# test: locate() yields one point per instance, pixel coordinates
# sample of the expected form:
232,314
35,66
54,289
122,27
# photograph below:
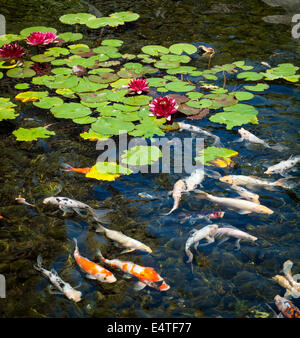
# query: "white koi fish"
198,130
146,275
247,136
254,181
208,233
248,195
243,206
69,205
226,232
62,286
283,166
128,242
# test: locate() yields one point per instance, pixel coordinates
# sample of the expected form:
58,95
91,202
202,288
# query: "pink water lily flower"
138,85
39,38
11,51
163,107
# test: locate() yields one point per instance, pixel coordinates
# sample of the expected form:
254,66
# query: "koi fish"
229,231
69,205
248,195
62,286
188,184
208,215
243,206
286,307
68,167
22,200
247,136
128,242
208,233
253,181
93,270
146,275
283,166
198,130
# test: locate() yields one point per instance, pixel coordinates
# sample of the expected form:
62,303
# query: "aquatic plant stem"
100,37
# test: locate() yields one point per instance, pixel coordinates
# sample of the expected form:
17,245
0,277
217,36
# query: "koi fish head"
146,248
243,132
213,229
264,210
107,277
162,286
73,295
270,171
279,301
50,200
226,179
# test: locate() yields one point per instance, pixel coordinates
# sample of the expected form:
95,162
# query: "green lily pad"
180,48
176,58
260,87
182,70
104,78
148,127
70,37
7,113
243,96
179,86
85,85
125,16
85,120
112,42
27,31
57,51
156,82
141,155
48,102
79,48
42,58
20,72
220,100
236,115
155,50
204,103
62,71
250,76
166,64
32,134
104,21
22,86
111,126
112,168
91,135
78,18
30,96
140,100
70,111
211,154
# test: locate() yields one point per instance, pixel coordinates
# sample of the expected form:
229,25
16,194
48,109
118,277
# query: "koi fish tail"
76,245
100,228
201,194
190,255
282,182
67,167
99,253
279,147
101,215
39,261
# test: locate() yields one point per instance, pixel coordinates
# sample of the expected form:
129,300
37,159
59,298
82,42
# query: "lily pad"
27,31
179,86
22,85
180,48
32,134
243,96
250,76
70,111
220,157
78,18
125,16
140,100
260,87
111,126
20,72
30,96
70,37
104,21
155,50
93,136
112,42
42,58
48,102
141,155
94,173
148,127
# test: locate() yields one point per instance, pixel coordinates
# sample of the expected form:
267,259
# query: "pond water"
224,282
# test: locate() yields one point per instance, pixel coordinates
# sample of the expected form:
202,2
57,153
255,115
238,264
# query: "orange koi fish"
93,270
146,275
68,167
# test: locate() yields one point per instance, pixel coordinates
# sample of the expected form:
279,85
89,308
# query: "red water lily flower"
138,85
11,51
163,107
39,38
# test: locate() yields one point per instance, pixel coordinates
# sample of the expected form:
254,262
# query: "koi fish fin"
78,211
237,244
67,167
279,147
244,212
101,215
100,228
212,173
138,286
39,263
99,253
223,240
127,276
53,291
127,250
239,140
282,183
76,244
89,276
201,194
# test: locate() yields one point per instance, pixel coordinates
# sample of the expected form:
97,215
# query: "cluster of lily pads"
96,86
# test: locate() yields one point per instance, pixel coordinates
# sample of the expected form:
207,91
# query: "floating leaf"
125,16
219,157
42,58
155,50
111,126
27,31
112,168
141,155
243,96
70,111
30,96
48,102
78,18
112,42
85,120
20,72
139,100
104,21
179,86
236,115
57,51
32,134
93,136
70,37
260,87
85,85
22,86
148,127
180,48
94,173
182,70
6,109
250,76
166,64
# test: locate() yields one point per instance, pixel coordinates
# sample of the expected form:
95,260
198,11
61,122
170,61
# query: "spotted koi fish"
146,275
286,307
93,270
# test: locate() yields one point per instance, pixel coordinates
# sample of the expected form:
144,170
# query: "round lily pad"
155,50
32,134
70,111
104,21
140,100
243,96
180,48
112,43
111,126
125,16
22,86
250,76
78,18
179,86
48,102
70,37
42,58
20,72
27,31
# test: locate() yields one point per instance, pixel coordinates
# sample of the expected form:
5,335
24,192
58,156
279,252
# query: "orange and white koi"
130,243
286,307
93,270
61,285
146,275
68,167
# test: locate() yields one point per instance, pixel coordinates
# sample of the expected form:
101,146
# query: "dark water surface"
224,282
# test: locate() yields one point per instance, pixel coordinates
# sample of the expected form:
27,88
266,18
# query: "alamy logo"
296,28
2,286
2,25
